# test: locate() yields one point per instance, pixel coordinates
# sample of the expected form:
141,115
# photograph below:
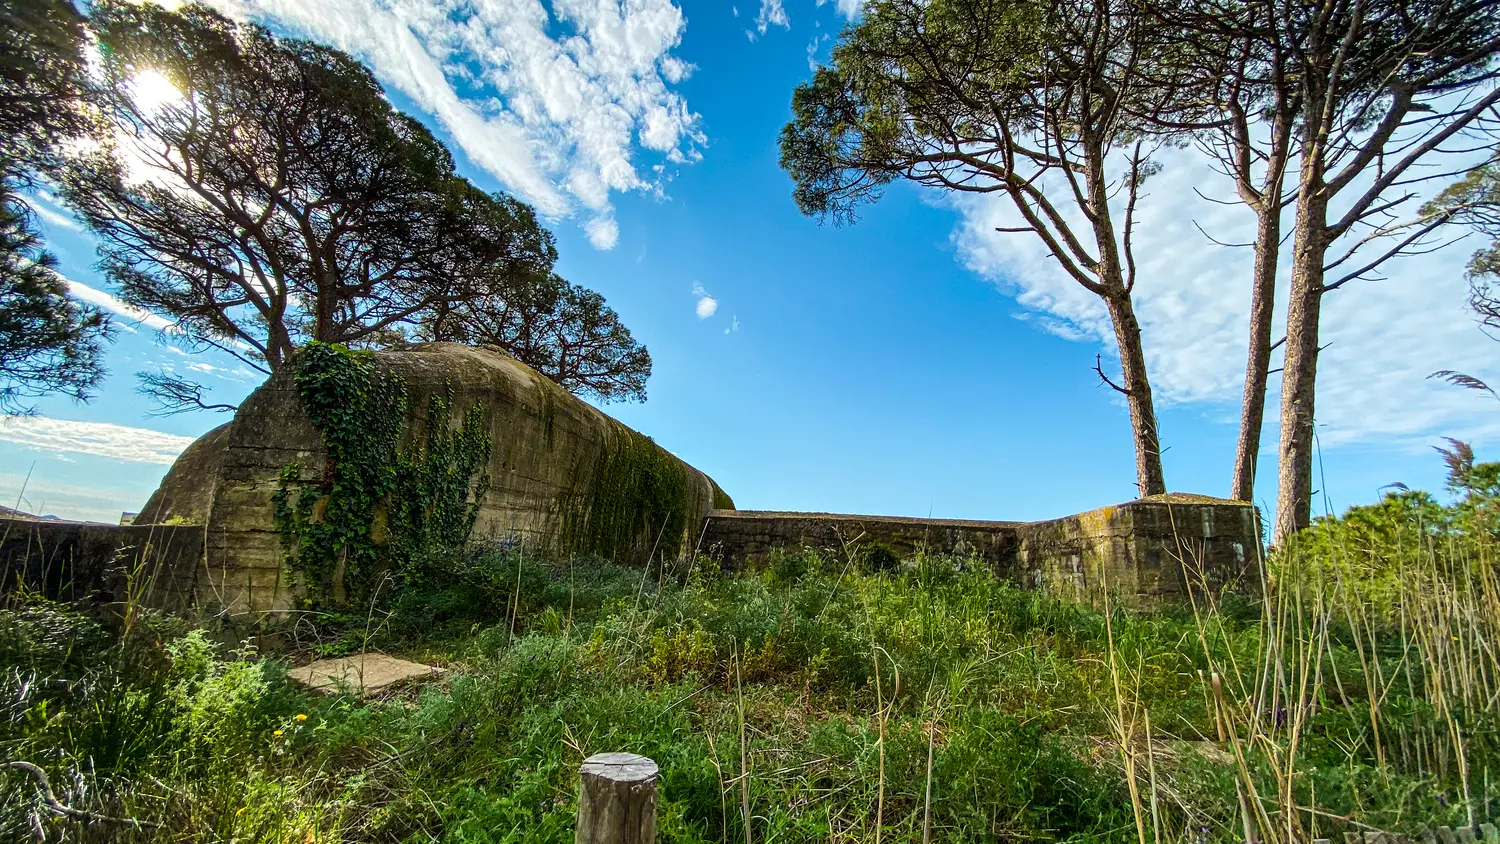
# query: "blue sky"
917,363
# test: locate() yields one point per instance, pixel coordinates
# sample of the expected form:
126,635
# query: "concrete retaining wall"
73,561
1146,551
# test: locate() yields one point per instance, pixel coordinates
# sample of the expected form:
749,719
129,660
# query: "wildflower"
301,717
277,733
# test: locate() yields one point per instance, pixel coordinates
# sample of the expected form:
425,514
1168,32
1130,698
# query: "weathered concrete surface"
72,561
741,537
548,446
362,674
1146,551
187,491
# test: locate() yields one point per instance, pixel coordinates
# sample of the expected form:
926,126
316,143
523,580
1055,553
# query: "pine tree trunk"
1148,471
1115,289
1258,361
1300,371
279,346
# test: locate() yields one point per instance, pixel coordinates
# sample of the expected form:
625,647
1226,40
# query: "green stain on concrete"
722,501
635,506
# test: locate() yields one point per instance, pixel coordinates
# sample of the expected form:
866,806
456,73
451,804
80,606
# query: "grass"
812,700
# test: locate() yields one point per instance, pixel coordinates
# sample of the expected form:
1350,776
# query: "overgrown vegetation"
821,698
378,503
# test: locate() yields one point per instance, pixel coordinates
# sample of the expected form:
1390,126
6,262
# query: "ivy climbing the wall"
378,508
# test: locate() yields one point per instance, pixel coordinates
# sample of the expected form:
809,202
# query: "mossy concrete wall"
548,464
1146,551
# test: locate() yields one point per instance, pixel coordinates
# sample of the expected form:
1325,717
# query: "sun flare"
152,91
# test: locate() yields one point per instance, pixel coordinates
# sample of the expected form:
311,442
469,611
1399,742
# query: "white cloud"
771,14
812,50
1192,299
43,493
707,305
54,218
555,103
94,296
734,325
135,445
54,212
848,8
603,232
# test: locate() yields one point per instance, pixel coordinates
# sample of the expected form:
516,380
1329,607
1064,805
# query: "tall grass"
825,698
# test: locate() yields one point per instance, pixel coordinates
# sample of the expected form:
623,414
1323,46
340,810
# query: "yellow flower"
277,733
240,811
301,717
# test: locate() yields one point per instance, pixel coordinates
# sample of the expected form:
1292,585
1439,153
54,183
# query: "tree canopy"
1474,202
261,192
42,73
1389,94
562,330
48,342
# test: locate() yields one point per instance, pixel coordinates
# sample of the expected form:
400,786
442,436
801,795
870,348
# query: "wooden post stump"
617,800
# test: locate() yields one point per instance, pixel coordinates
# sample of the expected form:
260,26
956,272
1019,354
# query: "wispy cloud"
707,305
135,445
734,325
848,8
812,50
772,13
1192,298
557,101
54,212
43,493
94,296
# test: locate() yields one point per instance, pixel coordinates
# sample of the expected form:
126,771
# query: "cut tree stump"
617,800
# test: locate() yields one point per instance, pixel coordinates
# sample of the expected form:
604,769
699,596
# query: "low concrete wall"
73,561
1146,551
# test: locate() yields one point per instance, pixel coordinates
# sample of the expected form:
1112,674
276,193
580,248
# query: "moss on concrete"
636,503
722,501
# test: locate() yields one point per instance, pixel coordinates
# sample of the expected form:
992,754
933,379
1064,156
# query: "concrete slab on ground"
361,673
